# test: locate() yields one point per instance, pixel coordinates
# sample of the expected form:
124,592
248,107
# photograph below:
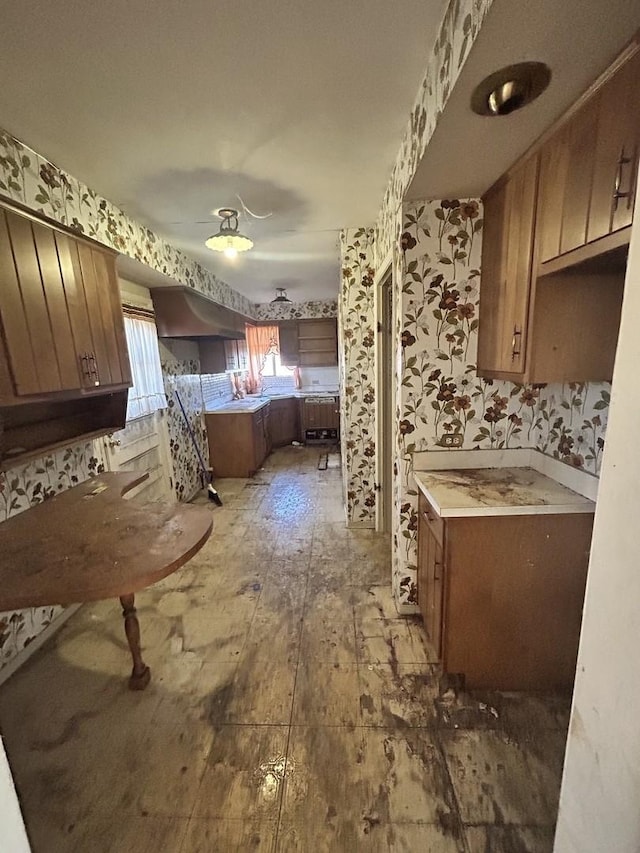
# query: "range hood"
183,313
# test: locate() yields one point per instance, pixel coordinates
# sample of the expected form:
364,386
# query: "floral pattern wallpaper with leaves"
181,372
23,487
440,392
356,330
313,310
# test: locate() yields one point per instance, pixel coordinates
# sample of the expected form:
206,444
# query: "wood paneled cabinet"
309,343
509,214
284,421
556,233
588,170
62,323
239,442
502,596
320,413
289,344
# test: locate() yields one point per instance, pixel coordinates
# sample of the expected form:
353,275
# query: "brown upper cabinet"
62,324
556,234
289,343
588,173
509,212
309,343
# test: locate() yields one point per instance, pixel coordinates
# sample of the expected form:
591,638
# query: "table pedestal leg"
141,673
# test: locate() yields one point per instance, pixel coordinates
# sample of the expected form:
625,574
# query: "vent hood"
183,313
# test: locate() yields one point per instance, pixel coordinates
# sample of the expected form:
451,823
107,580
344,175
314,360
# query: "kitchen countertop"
498,491
252,403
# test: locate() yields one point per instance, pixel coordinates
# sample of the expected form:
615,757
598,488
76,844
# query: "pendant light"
281,296
228,239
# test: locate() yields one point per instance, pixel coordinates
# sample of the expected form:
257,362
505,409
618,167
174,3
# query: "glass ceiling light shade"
281,295
228,239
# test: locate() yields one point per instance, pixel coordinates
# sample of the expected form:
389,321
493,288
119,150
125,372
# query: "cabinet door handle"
85,366
516,342
428,518
617,192
94,369
437,571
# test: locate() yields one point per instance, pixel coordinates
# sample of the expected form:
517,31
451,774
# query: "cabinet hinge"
379,326
377,487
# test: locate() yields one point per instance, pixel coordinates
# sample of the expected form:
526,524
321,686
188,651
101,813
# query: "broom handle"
203,469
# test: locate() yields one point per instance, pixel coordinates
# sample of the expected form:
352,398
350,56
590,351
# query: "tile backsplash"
216,389
319,378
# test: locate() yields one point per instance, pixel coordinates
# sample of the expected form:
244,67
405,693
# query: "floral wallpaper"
458,31
439,390
181,371
296,310
34,181
21,488
356,326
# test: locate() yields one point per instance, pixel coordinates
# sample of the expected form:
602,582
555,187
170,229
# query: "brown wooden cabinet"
309,343
239,442
588,172
213,358
289,346
509,213
431,572
501,596
62,324
555,243
284,421
318,343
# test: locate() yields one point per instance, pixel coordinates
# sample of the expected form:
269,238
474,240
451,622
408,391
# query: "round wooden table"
88,543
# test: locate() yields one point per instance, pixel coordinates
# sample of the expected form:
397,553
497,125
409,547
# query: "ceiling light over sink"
281,295
228,239
510,88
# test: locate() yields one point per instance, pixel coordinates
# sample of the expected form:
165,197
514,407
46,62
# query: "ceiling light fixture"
281,295
510,88
228,239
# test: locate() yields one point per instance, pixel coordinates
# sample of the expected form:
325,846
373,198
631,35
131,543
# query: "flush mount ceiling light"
281,295
510,88
228,239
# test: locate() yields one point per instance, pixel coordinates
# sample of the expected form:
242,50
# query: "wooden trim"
585,253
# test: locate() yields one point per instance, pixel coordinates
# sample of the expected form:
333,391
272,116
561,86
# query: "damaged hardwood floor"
290,709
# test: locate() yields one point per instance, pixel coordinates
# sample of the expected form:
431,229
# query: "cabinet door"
617,149
506,272
289,350
213,359
431,573
231,355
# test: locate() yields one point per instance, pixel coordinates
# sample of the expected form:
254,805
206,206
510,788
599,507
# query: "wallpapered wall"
181,372
458,31
32,180
296,310
356,324
439,390
23,487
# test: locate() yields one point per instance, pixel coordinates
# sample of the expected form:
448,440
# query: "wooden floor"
289,708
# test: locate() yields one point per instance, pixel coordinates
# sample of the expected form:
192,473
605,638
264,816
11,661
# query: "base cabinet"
284,421
239,442
502,596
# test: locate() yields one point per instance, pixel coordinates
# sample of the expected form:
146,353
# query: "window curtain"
261,340
147,394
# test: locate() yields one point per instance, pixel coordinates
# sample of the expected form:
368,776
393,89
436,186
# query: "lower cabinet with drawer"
239,442
502,596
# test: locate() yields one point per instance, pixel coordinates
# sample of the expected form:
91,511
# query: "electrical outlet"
451,439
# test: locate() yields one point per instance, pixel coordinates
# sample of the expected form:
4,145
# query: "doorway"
384,399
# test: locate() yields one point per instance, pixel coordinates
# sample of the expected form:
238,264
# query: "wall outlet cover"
452,439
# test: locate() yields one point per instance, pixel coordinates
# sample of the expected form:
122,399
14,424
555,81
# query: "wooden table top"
88,543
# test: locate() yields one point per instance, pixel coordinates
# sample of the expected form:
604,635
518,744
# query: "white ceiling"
170,109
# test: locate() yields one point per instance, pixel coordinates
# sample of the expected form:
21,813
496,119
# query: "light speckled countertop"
253,404
498,491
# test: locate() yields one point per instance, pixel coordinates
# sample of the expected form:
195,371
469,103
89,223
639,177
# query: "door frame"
384,390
